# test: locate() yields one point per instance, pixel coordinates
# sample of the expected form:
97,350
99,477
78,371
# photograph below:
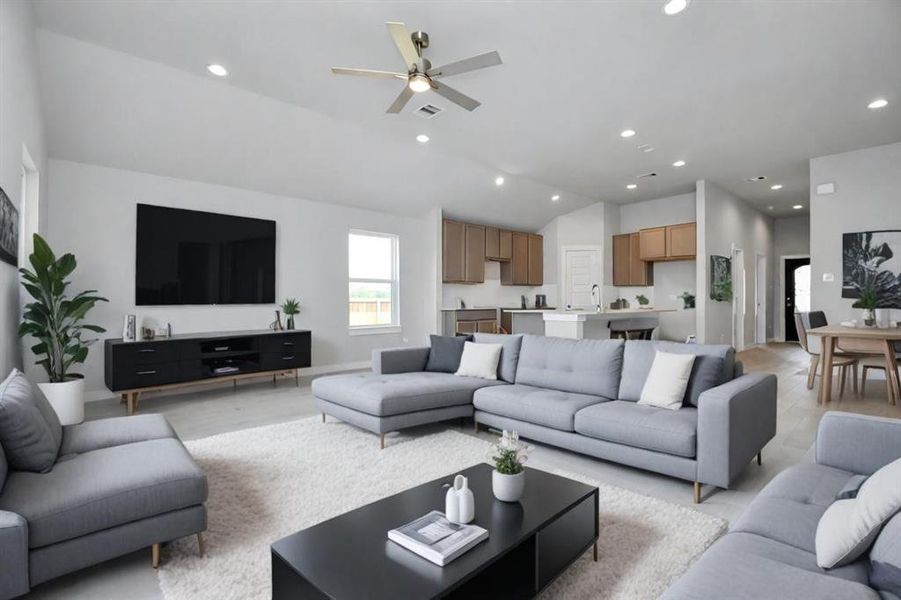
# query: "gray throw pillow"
510,345
445,352
885,558
850,489
30,432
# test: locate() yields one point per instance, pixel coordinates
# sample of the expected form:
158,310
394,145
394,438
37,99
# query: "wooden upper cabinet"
681,241
474,262
453,251
621,262
505,244
492,243
536,259
516,272
640,272
652,243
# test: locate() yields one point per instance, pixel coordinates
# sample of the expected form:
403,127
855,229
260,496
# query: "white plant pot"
508,488
67,399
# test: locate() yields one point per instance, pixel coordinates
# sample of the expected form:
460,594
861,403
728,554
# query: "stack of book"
435,538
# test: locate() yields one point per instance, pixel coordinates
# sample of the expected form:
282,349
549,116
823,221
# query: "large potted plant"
55,320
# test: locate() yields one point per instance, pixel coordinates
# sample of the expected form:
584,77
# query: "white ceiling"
736,89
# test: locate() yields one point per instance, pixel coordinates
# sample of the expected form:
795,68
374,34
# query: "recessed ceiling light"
878,103
679,163
217,70
798,206
631,186
674,7
498,181
555,197
627,133
777,186
422,138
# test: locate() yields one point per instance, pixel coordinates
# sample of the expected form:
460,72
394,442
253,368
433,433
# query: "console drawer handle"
220,348
146,372
288,357
287,343
146,349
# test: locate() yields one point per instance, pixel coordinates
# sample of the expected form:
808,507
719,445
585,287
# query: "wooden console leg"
201,546
123,399
595,551
130,403
697,494
155,556
381,441
760,457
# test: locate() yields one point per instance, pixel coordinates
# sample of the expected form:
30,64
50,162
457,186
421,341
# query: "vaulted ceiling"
735,89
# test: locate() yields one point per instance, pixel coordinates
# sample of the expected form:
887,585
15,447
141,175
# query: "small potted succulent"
642,300
290,307
688,300
508,481
868,301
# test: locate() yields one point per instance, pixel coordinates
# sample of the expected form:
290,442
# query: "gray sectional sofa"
576,394
109,487
770,553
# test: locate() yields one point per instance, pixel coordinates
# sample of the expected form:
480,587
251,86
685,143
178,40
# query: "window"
372,273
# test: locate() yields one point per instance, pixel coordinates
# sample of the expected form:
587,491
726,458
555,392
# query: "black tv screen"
194,257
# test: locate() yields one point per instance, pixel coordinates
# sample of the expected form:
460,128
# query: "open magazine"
435,538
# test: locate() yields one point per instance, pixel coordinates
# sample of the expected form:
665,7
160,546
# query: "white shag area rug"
269,482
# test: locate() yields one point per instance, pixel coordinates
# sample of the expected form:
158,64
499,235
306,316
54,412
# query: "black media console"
132,368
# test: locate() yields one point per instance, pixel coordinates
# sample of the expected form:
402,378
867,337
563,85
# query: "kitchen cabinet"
506,244
681,241
463,252
474,262
652,243
466,247
536,260
492,243
470,320
628,268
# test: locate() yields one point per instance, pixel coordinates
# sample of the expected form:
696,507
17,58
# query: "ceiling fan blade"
368,73
404,44
454,96
489,59
401,100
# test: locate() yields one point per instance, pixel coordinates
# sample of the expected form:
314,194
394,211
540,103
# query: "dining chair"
813,346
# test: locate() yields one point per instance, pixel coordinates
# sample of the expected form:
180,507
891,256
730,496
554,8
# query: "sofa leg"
697,493
475,425
760,458
155,556
595,551
201,546
381,441
323,417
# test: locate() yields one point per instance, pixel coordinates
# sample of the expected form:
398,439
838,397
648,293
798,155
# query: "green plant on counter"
688,300
642,300
291,307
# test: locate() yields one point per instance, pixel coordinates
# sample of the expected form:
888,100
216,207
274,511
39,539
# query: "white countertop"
589,315
470,308
528,311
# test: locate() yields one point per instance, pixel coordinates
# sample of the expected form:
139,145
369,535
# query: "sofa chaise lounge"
114,486
770,552
580,395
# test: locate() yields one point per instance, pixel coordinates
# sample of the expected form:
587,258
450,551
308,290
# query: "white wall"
725,222
92,214
20,124
791,237
866,198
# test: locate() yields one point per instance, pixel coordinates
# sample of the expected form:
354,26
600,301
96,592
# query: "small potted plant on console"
508,481
290,307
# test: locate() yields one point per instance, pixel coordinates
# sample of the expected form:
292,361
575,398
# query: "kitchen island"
592,324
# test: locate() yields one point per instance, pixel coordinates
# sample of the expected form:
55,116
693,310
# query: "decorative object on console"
871,259
508,481
867,300
276,325
129,328
459,503
55,320
720,278
479,360
9,231
290,307
688,300
147,333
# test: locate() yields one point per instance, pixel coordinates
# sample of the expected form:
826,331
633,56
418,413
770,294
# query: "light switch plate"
825,188
828,277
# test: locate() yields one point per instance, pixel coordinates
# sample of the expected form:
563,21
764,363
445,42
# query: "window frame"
394,281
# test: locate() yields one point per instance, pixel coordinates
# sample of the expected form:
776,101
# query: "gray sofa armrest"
857,443
399,360
735,421
13,555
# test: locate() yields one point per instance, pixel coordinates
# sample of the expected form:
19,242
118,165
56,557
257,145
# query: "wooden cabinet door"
640,272
681,241
520,258
492,243
536,260
474,269
505,245
487,326
621,263
467,326
652,243
453,251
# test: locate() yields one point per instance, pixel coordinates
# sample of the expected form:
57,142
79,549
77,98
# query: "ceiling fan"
419,75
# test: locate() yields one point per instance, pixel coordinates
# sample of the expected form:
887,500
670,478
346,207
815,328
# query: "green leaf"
42,257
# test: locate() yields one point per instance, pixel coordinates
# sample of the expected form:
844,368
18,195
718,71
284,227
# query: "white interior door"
581,270
760,303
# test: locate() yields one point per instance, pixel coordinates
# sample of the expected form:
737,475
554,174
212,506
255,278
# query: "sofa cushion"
578,366
550,408
747,567
385,395
105,488
789,508
445,352
885,558
29,428
641,426
510,346
105,433
3,468
714,365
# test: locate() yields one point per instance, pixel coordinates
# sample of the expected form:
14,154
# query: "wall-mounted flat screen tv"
194,257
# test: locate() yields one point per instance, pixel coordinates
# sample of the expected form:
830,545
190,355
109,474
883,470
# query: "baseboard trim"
104,394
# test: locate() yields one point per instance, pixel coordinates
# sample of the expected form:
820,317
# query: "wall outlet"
828,277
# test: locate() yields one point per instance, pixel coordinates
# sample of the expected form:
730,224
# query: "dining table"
858,341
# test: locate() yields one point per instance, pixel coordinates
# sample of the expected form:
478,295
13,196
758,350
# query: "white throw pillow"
666,383
848,527
479,360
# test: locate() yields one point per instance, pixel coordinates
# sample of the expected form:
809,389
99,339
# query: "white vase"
67,399
508,488
459,504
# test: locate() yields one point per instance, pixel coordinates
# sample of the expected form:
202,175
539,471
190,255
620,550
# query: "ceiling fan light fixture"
419,83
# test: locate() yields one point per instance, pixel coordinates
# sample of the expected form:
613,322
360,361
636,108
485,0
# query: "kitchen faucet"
596,289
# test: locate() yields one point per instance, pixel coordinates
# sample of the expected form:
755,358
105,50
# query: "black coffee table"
530,543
